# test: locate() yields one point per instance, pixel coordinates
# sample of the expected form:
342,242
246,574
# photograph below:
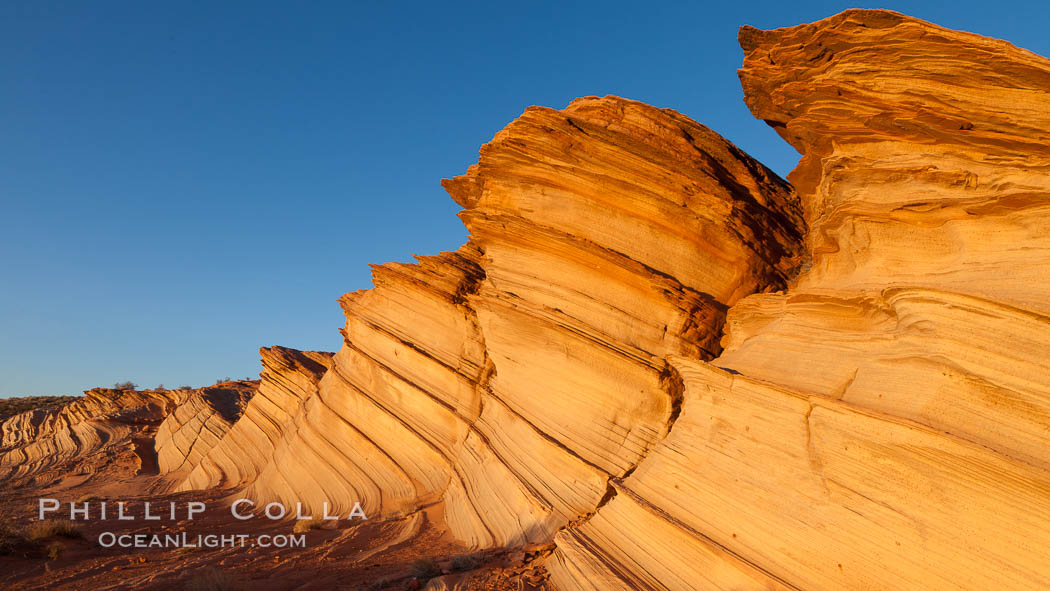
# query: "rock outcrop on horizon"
45,445
660,366
104,429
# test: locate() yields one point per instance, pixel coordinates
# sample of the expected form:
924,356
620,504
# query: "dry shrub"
425,568
20,404
41,530
305,525
10,538
465,562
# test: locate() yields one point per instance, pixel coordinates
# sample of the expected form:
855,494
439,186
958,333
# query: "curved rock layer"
237,449
657,355
79,438
196,425
513,378
379,428
884,423
587,218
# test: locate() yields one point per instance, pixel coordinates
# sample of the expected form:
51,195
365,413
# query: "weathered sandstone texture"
196,425
613,234
75,441
75,438
514,378
884,423
659,366
245,449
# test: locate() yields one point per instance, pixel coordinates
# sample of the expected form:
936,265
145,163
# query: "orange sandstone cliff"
514,378
882,423
667,368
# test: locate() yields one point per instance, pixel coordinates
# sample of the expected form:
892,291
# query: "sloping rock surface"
243,450
657,365
882,424
513,379
197,424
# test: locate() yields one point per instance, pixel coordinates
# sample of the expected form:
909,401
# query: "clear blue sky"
183,182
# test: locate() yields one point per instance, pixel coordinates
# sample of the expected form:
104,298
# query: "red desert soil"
362,555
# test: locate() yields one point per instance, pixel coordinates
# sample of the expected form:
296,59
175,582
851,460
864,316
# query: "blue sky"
184,182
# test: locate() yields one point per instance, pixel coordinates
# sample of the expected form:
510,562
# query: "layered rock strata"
77,438
152,429
883,423
513,378
614,234
239,452
672,369
197,424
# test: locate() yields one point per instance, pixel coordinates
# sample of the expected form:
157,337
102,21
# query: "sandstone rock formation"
242,451
75,441
613,234
883,423
77,437
513,378
196,425
665,367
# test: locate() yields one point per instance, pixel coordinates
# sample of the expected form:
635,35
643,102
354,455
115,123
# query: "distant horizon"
184,185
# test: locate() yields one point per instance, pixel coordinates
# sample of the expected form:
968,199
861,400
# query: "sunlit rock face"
513,378
42,446
884,422
397,397
671,369
107,431
613,233
245,443
196,425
